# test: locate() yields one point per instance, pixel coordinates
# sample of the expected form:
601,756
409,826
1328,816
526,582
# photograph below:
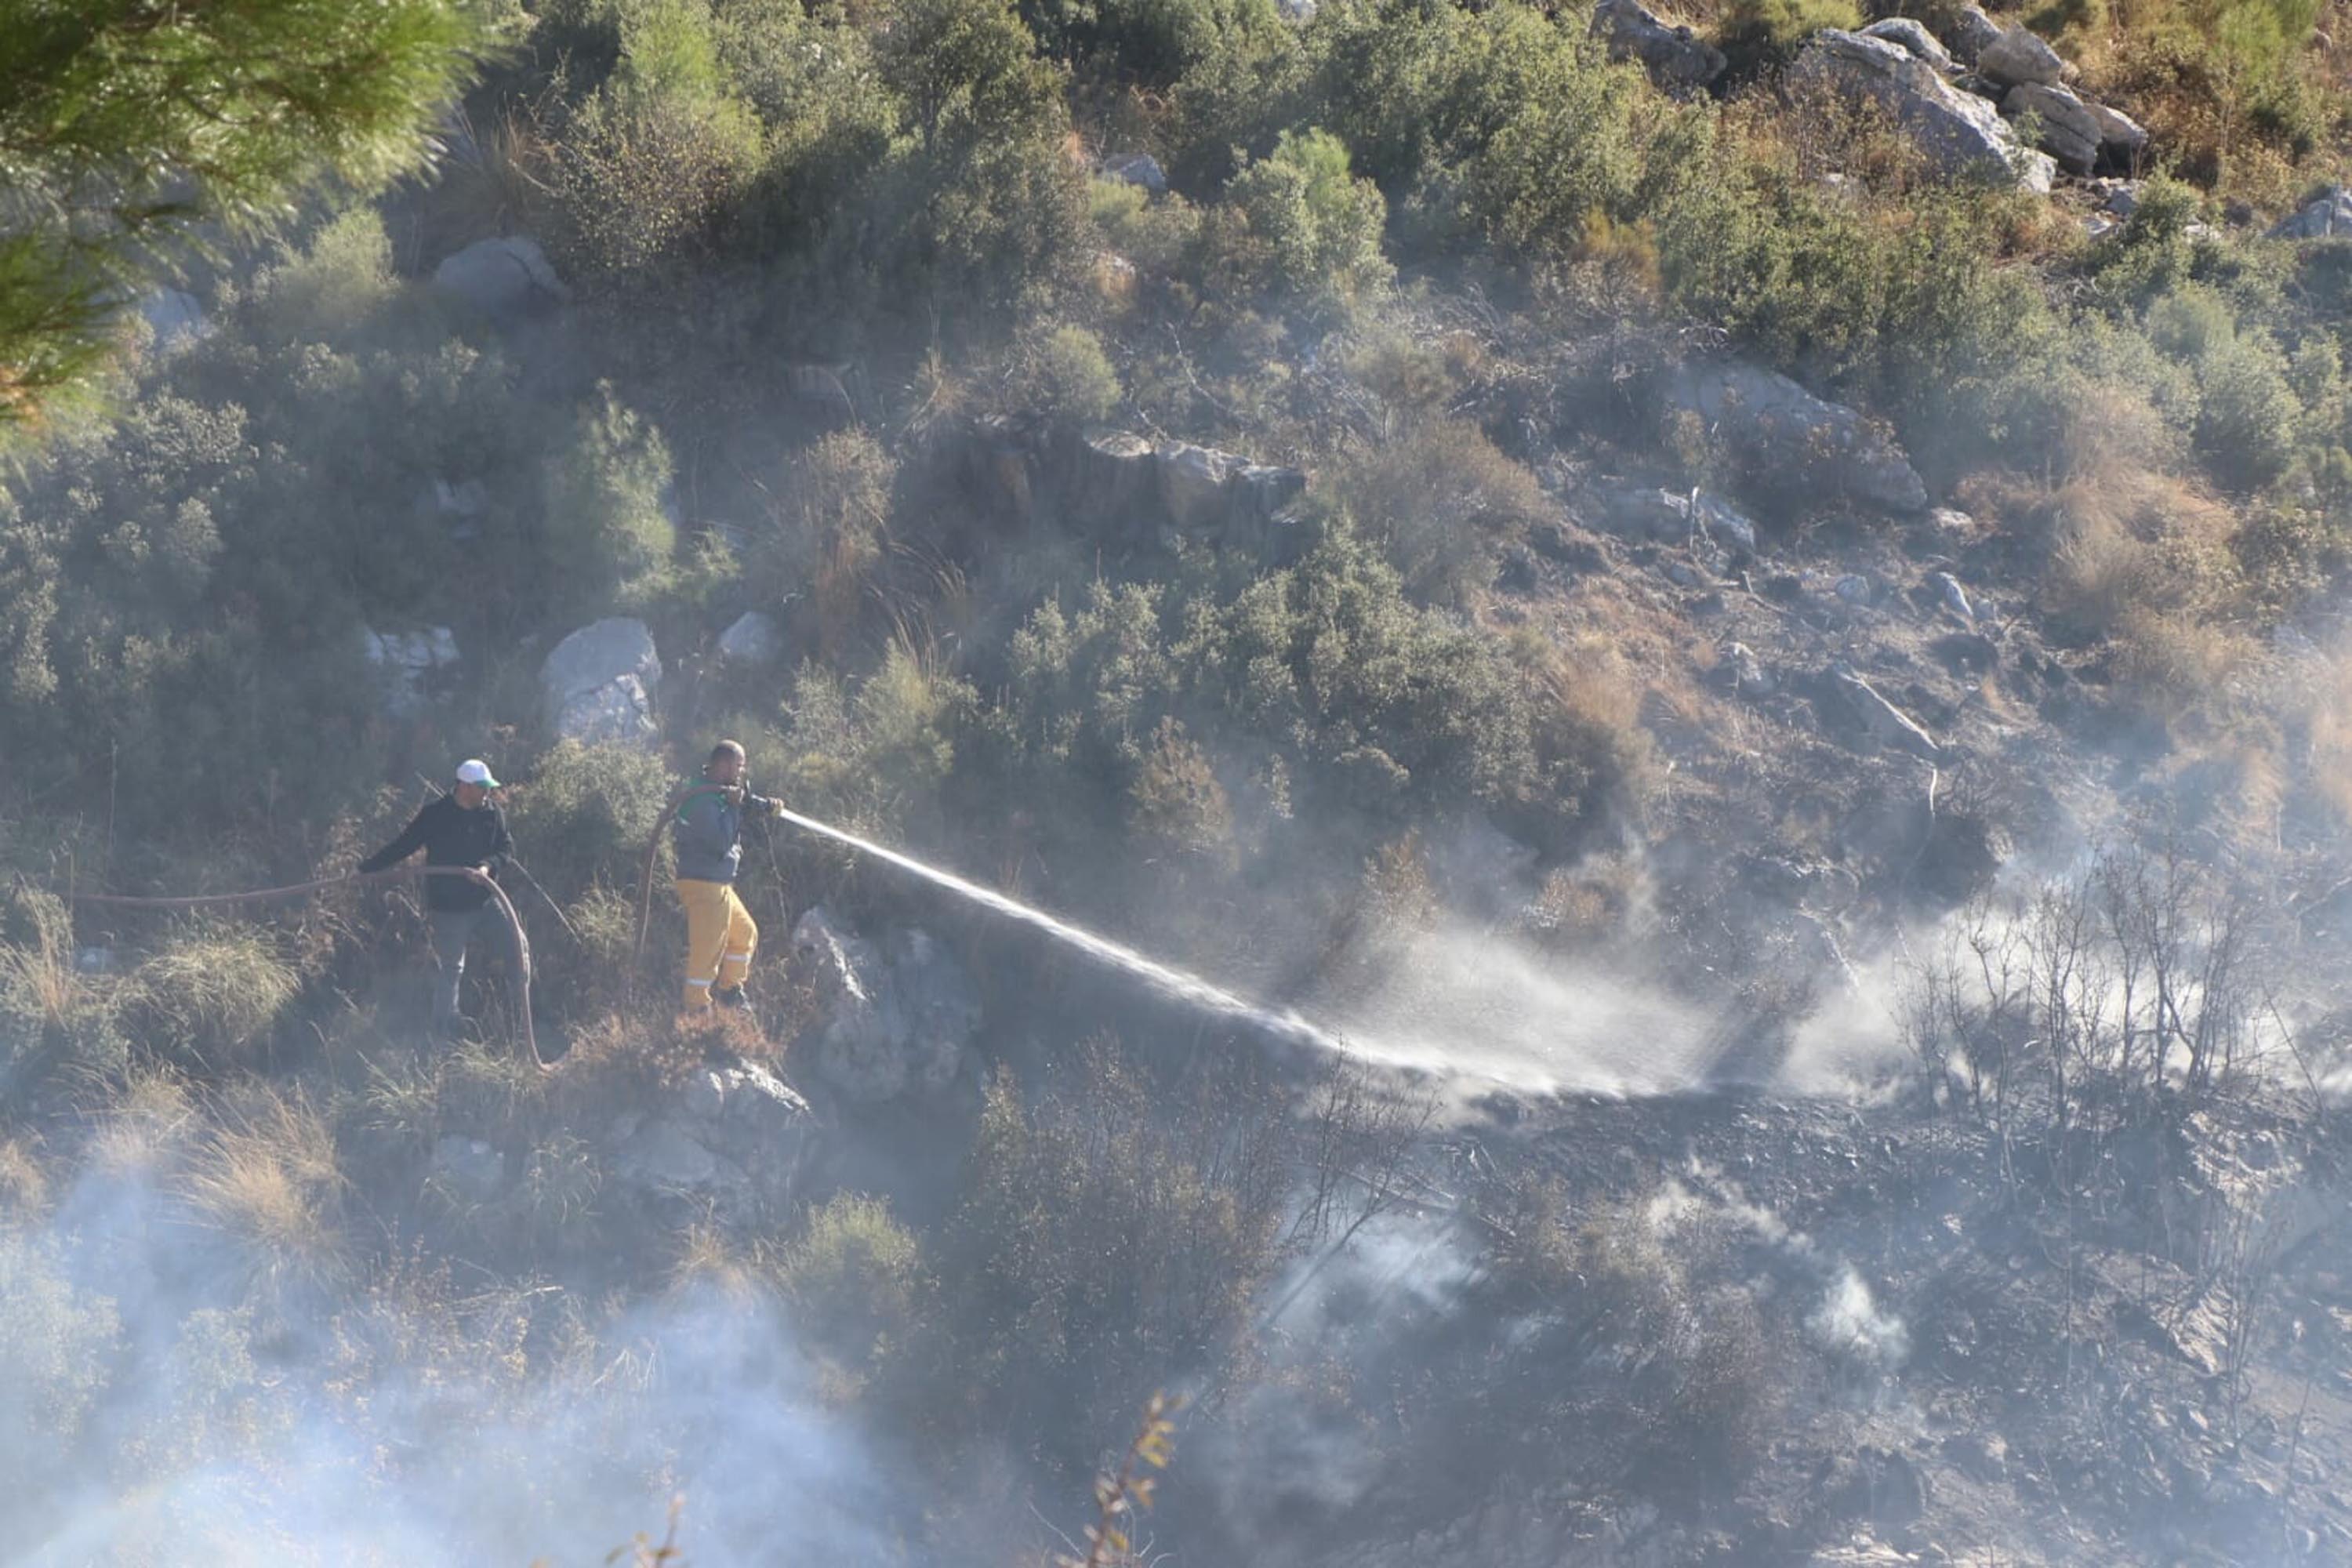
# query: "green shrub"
874,758
1444,504
1758,36
581,822
855,1278
1311,229
609,530
1064,373
827,531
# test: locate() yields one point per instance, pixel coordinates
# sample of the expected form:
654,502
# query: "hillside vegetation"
1595,576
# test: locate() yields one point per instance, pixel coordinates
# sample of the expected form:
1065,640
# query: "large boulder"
501,278
1970,33
1787,442
752,639
894,1018
409,663
2123,138
1112,484
2325,215
1677,60
1221,498
177,319
1960,133
1908,33
730,1142
2071,132
2018,57
599,685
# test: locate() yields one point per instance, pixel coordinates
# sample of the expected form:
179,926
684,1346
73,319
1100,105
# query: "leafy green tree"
128,128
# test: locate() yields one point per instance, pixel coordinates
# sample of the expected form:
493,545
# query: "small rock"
2123,137
409,662
752,638
1677,60
467,1169
1909,34
1853,588
1748,676
175,317
2123,198
1137,169
94,960
1955,599
2018,57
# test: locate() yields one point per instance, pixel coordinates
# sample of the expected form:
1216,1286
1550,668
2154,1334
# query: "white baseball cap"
474,771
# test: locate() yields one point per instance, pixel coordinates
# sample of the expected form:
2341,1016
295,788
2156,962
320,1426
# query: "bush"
583,819
1760,36
213,991
856,1278
1311,229
54,1024
1444,504
1063,372
875,760
609,529
1109,1240
828,529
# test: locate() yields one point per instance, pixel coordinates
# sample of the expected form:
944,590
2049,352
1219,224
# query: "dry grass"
145,1126
267,1180
215,990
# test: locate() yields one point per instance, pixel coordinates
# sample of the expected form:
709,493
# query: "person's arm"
411,840
501,844
763,806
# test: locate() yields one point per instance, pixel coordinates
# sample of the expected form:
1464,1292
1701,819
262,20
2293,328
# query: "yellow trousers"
719,938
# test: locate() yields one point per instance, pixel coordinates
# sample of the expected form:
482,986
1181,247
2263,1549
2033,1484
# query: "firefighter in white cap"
462,829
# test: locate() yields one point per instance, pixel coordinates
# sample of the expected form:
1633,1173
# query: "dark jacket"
451,836
708,830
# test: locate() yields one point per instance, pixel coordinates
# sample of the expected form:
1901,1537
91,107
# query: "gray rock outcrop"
2018,57
752,639
894,1018
1786,441
2071,132
409,662
1960,133
1912,35
1677,60
599,685
1137,169
1970,33
2325,215
731,1141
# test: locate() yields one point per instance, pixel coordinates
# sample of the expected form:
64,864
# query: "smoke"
1849,1325
156,1416
1482,1007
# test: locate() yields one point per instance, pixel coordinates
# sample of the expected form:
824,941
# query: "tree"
131,129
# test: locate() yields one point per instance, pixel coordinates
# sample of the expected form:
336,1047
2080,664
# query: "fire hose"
256,895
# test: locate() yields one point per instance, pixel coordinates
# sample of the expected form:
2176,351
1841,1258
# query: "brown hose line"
498,894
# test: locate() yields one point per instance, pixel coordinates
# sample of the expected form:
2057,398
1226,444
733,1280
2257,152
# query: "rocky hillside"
1747,607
